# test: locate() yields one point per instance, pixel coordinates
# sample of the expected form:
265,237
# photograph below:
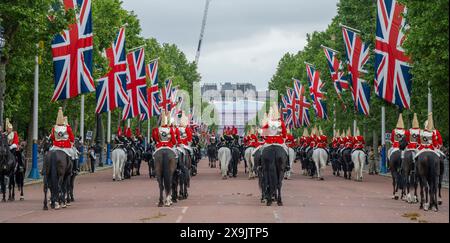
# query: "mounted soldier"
13,142
62,137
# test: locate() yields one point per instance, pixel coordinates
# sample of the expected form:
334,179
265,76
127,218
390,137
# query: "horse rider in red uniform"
349,140
164,135
62,137
359,141
290,141
13,142
274,130
184,134
397,135
430,138
413,136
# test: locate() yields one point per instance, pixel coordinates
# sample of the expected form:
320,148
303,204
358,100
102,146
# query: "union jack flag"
302,102
293,107
153,97
392,77
357,56
340,80
72,54
136,85
317,96
166,103
111,88
287,112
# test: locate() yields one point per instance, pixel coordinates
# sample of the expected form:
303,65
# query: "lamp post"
2,39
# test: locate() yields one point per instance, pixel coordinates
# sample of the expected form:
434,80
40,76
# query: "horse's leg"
421,193
161,190
114,170
427,188
394,184
441,176
45,192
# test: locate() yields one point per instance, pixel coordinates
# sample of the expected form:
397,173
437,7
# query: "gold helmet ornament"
429,124
400,123
60,117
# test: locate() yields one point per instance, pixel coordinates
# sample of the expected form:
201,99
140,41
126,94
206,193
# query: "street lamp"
2,39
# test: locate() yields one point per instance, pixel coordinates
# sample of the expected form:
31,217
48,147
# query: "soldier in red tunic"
164,135
13,142
397,135
63,138
359,141
430,138
413,135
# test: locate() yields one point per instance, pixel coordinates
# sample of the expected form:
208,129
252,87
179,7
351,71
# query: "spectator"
92,158
372,163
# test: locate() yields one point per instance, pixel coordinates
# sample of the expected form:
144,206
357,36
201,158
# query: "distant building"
235,110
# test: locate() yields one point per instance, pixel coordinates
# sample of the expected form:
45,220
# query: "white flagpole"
430,99
108,140
34,173
82,130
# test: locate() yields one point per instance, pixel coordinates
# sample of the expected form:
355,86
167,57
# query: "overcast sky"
244,39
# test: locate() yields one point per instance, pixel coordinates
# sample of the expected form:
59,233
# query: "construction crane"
202,32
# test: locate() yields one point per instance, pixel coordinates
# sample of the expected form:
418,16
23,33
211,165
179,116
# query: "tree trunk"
29,148
2,90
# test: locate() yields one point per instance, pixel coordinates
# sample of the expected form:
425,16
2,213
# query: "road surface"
211,199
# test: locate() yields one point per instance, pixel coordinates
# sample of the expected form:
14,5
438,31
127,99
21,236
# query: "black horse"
335,161
212,155
165,166
181,176
428,170
20,172
147,156
57,170
395,165
7,169
347,163
274,161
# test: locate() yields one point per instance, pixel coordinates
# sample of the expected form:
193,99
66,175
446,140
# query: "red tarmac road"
211,199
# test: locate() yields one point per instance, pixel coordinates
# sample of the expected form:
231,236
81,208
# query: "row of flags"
392,70
125,84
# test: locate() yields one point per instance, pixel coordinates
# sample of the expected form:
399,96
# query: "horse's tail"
271,170
53,172
165,172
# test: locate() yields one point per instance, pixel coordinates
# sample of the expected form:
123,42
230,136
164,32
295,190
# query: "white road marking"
277,217
180,217
18,216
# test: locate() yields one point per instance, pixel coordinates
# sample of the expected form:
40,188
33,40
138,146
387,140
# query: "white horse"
224,155
358,158
251,163
118,157
320,157
291,153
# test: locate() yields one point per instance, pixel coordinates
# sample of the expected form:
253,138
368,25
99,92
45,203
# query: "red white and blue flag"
357,56
392,77
340,80
166,102
287,112
136,85
153,97
302,103
111,88
315,89
292,105
72,54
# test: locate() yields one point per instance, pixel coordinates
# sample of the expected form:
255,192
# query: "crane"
202,32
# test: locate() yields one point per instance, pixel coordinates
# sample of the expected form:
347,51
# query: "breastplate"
399,134
426,137
61,133
164,134
415,134
10,137
274,128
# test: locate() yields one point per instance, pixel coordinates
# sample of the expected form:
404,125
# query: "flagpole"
350,28
108,140
34,173
329,48
334,118
82,130
383,141
136,48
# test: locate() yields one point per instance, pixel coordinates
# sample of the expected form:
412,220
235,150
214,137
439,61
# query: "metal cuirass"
10,137
274,128
415,134
426,137
399,134
61,133
164,134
